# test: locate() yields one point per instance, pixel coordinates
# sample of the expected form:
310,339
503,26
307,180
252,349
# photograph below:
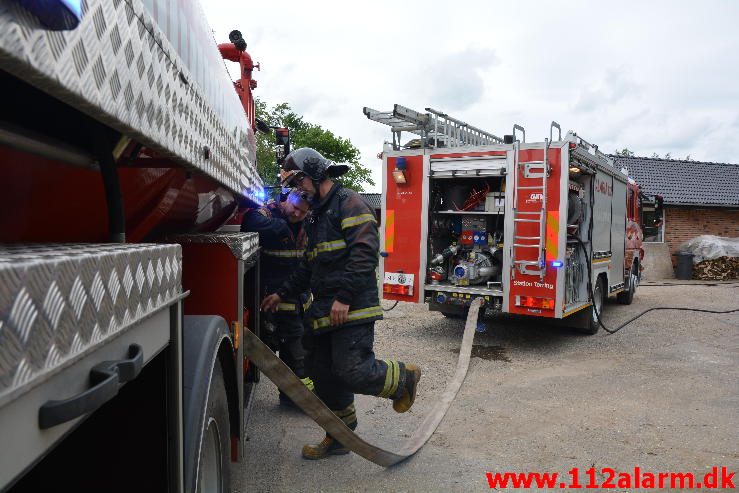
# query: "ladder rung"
526,246
527,237
528,212
527,221
530,162
526,262
531,188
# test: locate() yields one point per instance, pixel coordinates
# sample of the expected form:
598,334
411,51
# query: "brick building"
699,197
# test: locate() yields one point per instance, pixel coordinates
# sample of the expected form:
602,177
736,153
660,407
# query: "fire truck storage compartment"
596,223
465,244
578,243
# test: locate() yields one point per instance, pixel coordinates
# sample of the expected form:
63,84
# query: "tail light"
533,302
398,283
397,289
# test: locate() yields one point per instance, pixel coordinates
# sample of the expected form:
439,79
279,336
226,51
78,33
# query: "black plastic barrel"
684,265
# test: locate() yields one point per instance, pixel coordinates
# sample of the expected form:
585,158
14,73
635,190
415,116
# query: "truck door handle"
105,378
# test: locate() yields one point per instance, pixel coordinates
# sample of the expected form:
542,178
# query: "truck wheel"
214,468
587,322
627,296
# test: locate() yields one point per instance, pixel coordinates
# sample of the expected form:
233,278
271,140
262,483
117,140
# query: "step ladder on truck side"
536,172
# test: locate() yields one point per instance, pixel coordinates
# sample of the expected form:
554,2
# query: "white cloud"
654,76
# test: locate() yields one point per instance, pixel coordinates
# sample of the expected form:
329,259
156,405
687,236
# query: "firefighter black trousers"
287,341
342,363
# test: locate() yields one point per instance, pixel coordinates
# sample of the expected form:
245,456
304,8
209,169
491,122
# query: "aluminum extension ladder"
436,129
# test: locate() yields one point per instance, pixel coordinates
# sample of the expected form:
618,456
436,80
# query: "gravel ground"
662,394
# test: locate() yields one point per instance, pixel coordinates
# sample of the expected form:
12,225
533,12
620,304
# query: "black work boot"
406,395
329,445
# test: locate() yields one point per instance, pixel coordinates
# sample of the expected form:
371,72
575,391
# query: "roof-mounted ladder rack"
436,129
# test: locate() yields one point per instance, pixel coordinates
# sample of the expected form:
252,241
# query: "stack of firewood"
718,269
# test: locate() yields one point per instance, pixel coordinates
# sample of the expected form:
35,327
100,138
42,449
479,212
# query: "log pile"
718,269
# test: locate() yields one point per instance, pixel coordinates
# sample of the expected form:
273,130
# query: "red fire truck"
123,149
546,229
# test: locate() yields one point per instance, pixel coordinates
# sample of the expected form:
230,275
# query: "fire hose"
274,369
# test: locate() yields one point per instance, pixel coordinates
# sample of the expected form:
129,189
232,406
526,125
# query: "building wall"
685,223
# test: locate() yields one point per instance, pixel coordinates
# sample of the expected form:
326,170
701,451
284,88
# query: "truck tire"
587,321
214,457
627,296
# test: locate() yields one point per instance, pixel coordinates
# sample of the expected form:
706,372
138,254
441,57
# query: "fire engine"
547,229
123,148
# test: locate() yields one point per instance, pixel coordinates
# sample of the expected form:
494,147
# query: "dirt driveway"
662,394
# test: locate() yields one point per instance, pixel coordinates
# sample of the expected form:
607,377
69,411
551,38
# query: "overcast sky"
651,76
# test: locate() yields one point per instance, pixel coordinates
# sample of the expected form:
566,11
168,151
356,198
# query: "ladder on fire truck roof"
436,129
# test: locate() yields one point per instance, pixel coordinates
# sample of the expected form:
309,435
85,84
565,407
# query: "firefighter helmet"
311,163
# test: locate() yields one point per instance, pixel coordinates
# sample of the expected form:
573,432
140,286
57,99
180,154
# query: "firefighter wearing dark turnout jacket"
340,268
282,239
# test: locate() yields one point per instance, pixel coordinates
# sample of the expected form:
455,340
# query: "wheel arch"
206,341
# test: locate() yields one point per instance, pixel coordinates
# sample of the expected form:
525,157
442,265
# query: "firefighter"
340,268
281,235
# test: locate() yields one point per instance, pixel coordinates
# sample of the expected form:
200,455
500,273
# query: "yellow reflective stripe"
326,246
329,246
357,220
347,415
392,377
291,307
286,307
308,383
284,253
373,311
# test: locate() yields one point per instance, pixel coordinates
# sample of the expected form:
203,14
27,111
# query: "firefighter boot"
329,445
403,399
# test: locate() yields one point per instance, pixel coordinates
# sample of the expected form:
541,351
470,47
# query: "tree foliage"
306,134
625,152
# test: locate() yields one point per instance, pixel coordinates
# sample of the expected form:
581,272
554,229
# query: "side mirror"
282,144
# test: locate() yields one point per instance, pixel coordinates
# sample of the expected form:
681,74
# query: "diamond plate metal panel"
118,67
58,302
243,245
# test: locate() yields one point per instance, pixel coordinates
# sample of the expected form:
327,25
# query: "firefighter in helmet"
281,235
339,267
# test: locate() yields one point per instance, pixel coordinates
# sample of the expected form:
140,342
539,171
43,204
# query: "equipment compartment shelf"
449,288
493,213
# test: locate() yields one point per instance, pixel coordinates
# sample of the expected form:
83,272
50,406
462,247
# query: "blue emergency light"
57,15
557,263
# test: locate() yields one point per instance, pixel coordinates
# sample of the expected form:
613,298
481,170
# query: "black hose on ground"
388,309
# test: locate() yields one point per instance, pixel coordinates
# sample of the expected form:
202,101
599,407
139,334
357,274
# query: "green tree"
306,134
625,152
